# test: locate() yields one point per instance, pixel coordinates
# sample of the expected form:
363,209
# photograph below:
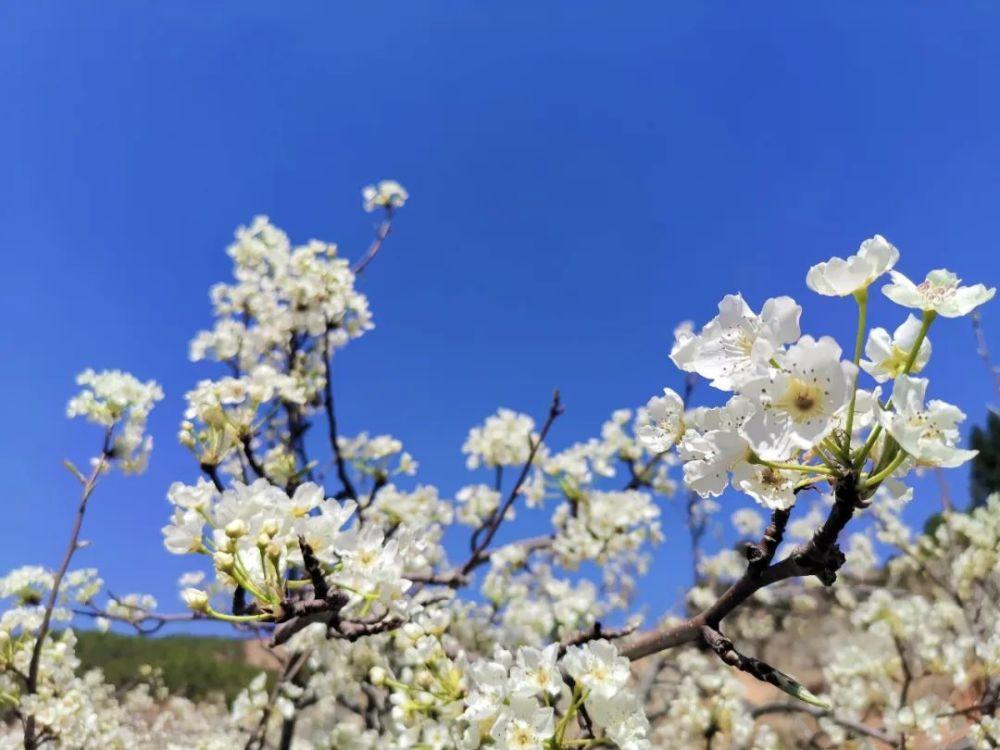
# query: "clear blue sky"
583,176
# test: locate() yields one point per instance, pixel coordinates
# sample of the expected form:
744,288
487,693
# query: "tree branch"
380,236
31,686
820,556
483,536
821,713
331,420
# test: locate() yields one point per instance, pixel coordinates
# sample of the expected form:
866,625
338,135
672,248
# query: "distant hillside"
192,666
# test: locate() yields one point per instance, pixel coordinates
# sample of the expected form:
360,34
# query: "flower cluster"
356,571
387,194
795,408
256,534
504,439
121,404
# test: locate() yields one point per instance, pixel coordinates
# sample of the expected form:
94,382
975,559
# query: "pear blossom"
504,439
402,646
523,725
662,421
476,503
121,403
770,487
599,525
738,344
838,277
597,667
939,292
385,194
535,671
714,446
799,402
887,355
928,433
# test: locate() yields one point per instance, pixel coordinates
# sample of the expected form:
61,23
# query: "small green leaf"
74,471
797,690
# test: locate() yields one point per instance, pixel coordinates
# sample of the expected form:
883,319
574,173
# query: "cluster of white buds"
121,404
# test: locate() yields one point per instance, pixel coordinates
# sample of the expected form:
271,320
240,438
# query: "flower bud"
223,561
271,527
377,676
236,528
196,599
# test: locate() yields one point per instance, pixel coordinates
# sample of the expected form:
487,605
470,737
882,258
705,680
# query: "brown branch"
212,472
311,564
144,616
820,556
595,633
31,740
380,236
483,536
761,554
331,421
254,464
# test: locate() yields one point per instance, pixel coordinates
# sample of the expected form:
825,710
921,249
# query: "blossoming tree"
381,638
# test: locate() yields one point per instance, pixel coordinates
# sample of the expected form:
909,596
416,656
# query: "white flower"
386,194
623,718
597,667
489,689
772,488
713,446
737,343
504,439
477,503
523,725
535,671
930,433
799,402
183,534
838,277
887,355
661,423
600,525
939,292
198,497
118,401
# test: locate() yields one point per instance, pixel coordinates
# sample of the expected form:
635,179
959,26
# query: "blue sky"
583,177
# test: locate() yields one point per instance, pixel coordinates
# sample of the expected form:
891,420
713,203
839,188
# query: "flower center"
802,400
936,292
771,478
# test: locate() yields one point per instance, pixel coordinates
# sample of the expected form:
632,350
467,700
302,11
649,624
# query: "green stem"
861,296
875,479
235,618
928,318
925,324
794,467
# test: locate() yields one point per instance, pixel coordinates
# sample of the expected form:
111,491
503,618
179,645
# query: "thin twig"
983,350
31,686
380,236
331,420
483,536
822,713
